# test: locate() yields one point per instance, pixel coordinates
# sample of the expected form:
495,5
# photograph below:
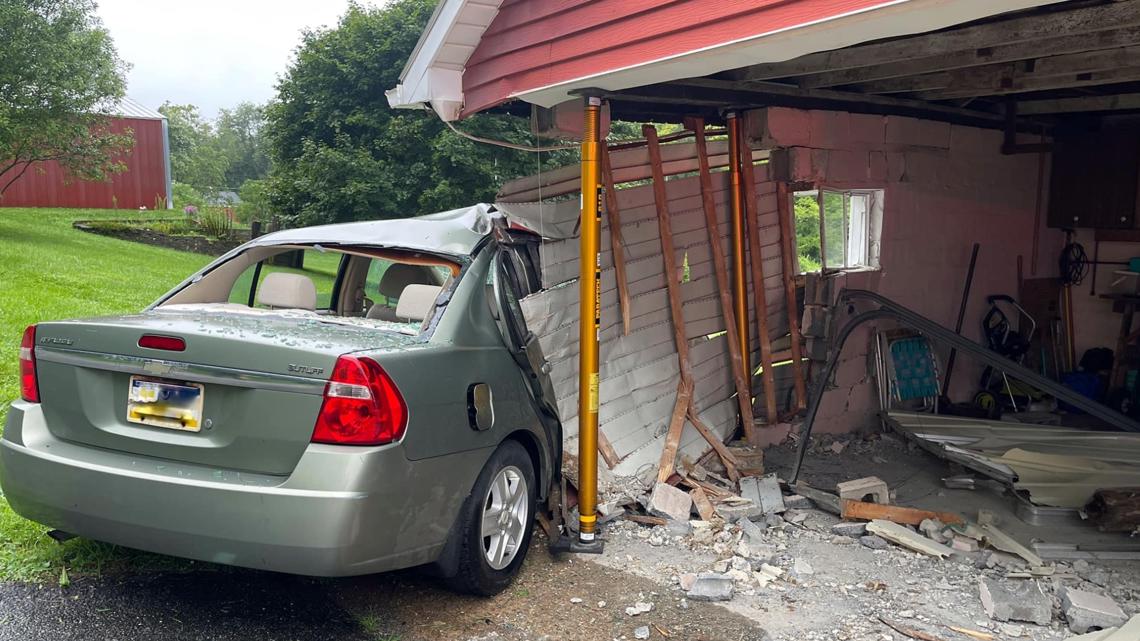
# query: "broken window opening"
845,237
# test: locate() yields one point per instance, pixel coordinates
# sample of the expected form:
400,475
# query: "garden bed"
174,233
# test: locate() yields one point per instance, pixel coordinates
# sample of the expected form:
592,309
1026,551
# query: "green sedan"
326,401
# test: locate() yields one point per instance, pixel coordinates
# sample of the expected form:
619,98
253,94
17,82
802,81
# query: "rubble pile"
749,553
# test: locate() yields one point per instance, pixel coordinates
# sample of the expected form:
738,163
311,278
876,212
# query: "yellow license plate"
162,403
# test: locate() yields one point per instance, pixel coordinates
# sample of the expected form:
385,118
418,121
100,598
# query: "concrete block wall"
945,187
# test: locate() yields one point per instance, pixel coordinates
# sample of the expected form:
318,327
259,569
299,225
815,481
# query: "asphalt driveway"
553,599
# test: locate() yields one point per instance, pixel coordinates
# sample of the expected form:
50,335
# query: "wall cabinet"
1095,179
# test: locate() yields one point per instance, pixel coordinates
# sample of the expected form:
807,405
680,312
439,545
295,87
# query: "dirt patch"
136,231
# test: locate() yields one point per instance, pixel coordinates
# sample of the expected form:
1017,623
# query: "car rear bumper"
343,511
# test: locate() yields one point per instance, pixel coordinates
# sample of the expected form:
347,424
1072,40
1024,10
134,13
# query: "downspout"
739,279
589,323
166,163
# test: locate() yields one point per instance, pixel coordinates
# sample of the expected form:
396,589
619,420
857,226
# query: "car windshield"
359,285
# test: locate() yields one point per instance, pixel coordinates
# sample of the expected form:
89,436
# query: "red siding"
144,181
536,43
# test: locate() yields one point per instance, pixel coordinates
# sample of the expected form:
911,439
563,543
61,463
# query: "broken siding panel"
639,372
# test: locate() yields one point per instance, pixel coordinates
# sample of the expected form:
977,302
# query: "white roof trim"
434,73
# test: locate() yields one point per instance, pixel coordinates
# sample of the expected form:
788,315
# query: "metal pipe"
892,310
961,317
589,322
739,278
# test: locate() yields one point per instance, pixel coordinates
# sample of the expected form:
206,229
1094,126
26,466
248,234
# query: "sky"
211,53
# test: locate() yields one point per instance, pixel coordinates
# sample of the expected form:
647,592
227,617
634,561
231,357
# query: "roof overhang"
434,74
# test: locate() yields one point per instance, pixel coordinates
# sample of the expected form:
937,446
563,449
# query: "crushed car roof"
457,232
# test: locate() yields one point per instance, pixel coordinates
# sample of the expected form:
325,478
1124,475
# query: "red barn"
145,183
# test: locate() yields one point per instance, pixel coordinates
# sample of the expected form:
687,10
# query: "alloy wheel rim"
504,517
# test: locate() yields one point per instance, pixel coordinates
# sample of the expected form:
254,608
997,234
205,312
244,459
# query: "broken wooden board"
701,501
900,535
863,511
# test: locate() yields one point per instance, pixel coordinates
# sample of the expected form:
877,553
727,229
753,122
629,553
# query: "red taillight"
362,405
168,343
29,387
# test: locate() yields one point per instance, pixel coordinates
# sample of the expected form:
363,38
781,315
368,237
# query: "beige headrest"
282,290
399,275
417,301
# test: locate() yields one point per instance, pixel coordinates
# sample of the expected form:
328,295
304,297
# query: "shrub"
184,195
215,222
254,203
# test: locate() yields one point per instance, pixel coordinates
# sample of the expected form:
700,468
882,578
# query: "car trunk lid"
259,378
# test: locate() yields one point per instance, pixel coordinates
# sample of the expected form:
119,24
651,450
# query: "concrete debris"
733,512
763,491
795,517
575,600
852,529
1086,611
1015,601
899,534
687,580
712,587
860,489
766,574
1127,632
838,446
641,607
800,567
934,529
641,633
963,544
874,542
670,502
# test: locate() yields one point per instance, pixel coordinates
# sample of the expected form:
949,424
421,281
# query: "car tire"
492,547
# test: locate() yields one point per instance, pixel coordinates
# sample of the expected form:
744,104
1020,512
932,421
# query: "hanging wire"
508,145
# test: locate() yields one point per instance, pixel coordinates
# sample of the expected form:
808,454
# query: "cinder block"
1086,611
867,130
877,167
781,127
858,489
1018,601
917,132
829,129
670,502
844,166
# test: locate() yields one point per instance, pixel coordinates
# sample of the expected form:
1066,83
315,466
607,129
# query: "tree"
196,156
239,132
340,153
58,69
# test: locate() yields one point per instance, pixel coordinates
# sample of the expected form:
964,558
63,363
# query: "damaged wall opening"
847,237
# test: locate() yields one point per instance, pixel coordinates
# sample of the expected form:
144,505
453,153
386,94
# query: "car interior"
369,283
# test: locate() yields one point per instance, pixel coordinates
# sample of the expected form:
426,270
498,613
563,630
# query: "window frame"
871,225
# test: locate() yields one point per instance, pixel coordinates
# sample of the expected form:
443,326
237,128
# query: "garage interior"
983,178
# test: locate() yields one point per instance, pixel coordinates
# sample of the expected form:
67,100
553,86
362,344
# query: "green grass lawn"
50,271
